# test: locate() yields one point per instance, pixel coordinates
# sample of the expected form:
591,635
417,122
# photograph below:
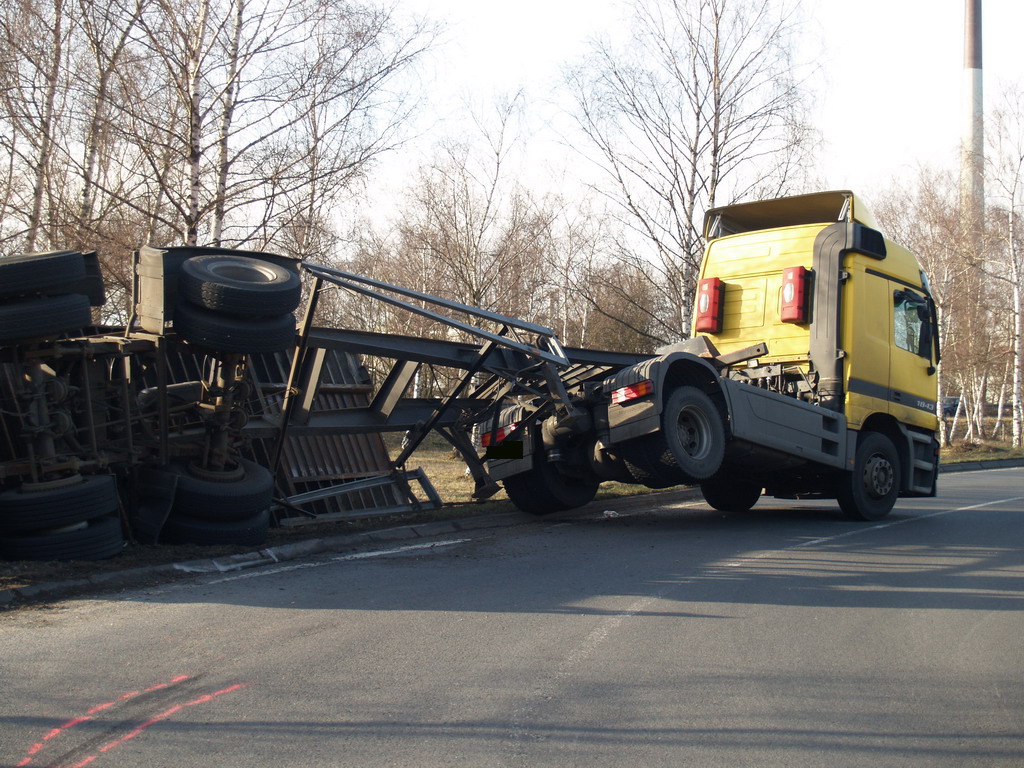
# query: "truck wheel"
694,435
58,504
543,489
44,316
97,539
223,333
239,285
35,272
729,494
870,490
249,532
237,497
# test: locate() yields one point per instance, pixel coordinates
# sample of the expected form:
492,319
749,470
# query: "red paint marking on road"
85,762
37,747
166,714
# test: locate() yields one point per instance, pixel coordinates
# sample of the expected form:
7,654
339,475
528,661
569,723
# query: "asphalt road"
641,635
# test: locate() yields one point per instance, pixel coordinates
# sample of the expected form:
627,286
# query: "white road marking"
342,558
857,531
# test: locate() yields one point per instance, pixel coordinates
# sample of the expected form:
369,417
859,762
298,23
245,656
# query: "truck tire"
694,434
239,285
44,316
224,333
98,539
543,489
643,459
230,500
688,449
77,500
730,494
35,272
870,490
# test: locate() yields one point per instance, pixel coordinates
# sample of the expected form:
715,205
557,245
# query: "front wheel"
870,490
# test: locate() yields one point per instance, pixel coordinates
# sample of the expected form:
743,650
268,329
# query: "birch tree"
1007,179
702,106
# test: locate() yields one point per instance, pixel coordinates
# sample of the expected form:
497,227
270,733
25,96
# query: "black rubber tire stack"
75,518
236,304
231,507
32,304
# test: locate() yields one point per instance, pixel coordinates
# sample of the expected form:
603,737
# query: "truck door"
911,360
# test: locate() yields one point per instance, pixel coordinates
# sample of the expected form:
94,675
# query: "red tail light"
495,437
632,392
795,295
710,305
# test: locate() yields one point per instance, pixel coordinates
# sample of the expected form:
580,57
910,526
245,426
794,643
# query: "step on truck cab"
810,373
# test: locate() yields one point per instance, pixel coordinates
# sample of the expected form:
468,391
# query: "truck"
810,373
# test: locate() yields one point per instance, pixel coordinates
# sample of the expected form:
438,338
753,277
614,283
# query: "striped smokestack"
972,150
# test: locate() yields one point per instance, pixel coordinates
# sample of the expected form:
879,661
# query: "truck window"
912,323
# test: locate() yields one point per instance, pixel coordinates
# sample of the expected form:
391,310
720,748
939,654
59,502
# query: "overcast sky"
888,98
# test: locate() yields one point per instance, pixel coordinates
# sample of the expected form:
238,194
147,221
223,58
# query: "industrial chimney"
972,148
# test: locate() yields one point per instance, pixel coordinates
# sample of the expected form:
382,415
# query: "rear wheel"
870,490
731,494
546,489
97,539
185,530
58,503
689,448
231,497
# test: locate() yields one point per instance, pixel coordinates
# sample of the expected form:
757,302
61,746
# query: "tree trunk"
227,117
46,129
195,125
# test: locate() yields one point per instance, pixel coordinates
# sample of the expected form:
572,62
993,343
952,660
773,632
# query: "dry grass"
982,450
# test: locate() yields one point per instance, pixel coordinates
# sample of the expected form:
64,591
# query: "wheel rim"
242,272
694,429
878,476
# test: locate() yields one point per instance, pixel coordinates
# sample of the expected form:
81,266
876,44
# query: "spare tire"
239,285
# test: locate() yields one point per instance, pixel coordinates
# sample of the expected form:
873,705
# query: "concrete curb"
133,577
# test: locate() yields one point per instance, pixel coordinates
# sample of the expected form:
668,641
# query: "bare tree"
971,298
701,107
35,39
1007,176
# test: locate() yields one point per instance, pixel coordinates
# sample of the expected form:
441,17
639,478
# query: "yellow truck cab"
846,316
813,344
810,373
